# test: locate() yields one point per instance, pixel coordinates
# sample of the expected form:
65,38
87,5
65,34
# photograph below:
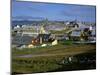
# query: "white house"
55,42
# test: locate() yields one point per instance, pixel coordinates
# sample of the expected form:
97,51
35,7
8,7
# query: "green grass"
42,64
53,49
16,51
45,63
66,42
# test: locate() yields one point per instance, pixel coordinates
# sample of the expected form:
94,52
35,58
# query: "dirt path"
59,52
48,54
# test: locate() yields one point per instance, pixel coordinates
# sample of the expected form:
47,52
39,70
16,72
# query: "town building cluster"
44,34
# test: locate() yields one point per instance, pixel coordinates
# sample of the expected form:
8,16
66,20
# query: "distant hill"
28,18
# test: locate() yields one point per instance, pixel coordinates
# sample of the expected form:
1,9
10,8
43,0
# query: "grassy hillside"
46,59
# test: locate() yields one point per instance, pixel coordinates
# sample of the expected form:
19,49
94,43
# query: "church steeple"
42,30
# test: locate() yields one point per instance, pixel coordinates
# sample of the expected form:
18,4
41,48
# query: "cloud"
77,13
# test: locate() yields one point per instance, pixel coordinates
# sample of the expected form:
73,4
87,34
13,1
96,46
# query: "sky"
54,11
